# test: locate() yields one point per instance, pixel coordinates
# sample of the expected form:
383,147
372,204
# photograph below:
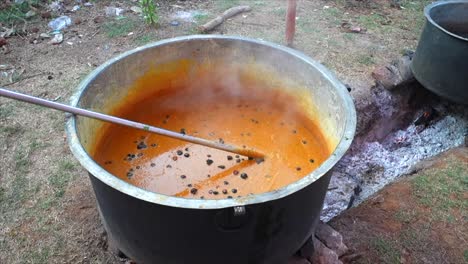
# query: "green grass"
38,255
2,194
366,60
405,216
60,179
415,239
201,18
333,15
222,5
119,27
465,255
373,21
11,130
387,250
260,3
279,11
349,36
307,26
443,191
13,14
6,111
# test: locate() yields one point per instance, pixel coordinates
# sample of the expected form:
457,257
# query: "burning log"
210,25
426,117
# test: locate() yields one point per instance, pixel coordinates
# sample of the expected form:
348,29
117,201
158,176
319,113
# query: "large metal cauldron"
263,228
441,60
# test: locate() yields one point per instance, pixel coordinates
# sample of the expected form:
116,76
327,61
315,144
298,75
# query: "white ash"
376,164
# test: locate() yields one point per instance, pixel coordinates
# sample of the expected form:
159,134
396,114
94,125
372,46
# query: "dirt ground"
47,207
420,219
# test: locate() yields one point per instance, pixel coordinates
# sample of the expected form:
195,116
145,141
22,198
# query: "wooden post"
291,22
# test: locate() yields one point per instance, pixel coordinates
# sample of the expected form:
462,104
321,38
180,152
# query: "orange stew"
250,115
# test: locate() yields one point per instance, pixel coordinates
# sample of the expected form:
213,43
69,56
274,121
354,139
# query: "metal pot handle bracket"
232,219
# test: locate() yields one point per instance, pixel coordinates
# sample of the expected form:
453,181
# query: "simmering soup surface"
243,113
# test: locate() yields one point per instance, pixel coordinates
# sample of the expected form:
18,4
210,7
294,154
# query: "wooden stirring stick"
116,120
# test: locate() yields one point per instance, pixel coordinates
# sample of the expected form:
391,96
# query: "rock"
60,23
386,75
175,23
46,14
298,260
357,30
331,238
113,11
77,21
57,39
44,36
351,258
88,4
75,8
99,19
324,255
394,74
347,27
30,14
56,6
136,9
3,42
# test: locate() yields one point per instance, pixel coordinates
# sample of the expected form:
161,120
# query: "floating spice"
304,142
226,183
209,162
234,190
193,191
229,157
235,172
154,145
182,131
312,160
222,167
174,158
153,164
186,155
298,168
141,145
179,152
225,191
244,175
183,176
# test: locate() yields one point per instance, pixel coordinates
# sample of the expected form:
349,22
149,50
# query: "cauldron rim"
433,6
116,183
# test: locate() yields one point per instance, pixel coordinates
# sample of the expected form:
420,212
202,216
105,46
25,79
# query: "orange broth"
246,114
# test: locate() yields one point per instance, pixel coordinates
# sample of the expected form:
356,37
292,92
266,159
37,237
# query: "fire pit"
262,228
